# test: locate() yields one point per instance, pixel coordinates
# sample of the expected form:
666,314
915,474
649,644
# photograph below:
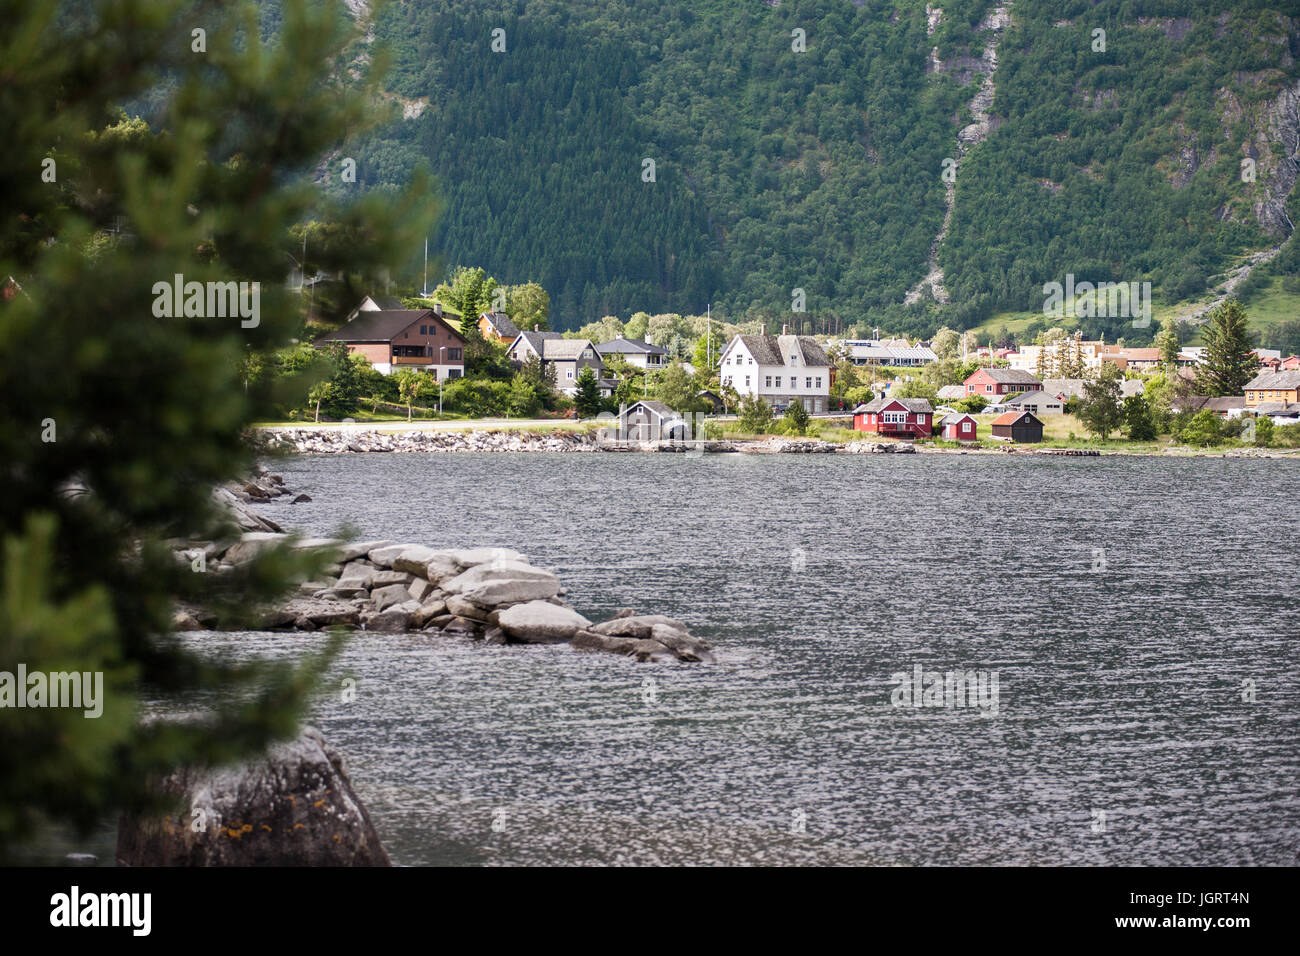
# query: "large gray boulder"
540,622
294,807
415,559
505,582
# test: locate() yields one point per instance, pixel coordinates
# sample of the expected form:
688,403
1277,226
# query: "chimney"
785,330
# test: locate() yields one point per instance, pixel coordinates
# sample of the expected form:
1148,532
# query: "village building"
649,420
951,393
1000,381
895,417
958,426
637,353
1282,413
568,357
1225,406
1137,359
392,339
888,352
1273,387
1039,402
1018,426
497,327
780,369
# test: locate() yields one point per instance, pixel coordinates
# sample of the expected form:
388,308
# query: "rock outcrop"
294,807
491,594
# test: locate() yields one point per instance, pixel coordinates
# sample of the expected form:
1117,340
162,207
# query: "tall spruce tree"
1229,360
120,414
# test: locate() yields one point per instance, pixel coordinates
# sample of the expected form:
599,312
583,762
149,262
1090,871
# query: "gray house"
649,420
567,356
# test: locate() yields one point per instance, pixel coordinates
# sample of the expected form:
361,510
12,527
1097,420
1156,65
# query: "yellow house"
1273,387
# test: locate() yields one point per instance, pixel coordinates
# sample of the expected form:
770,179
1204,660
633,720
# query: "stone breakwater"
320,441
494,595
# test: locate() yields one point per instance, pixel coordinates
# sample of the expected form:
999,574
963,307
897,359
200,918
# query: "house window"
767,381
454,354
569,373
778,381
747,381
807,382
819,381
988,388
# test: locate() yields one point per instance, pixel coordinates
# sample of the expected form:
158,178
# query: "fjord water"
1124,603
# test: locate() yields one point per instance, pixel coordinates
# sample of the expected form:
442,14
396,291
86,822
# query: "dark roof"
622,346
1277,408
382,326
911,404
1009,376
659,408
766,349
535,339
501,324
1287,379
1221,403
1012,418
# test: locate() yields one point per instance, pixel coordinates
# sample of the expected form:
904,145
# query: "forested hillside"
822,170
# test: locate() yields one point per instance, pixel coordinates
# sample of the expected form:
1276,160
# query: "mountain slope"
822,170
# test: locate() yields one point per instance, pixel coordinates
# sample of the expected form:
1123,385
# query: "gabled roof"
622,346
659,408
564,349
501,324
1288,379
1008,376
953,419
535,340
1038,397
952,391
767,349
915,405
383,326
1011,418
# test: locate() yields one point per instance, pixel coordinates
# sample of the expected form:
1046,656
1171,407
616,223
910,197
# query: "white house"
779,369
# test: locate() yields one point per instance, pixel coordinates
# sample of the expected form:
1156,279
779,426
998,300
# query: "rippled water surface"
1123,602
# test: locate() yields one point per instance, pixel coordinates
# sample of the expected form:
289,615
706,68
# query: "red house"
895,417
1000,381
958,427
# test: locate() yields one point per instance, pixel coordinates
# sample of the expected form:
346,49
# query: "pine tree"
1229,359
587,398
117,420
